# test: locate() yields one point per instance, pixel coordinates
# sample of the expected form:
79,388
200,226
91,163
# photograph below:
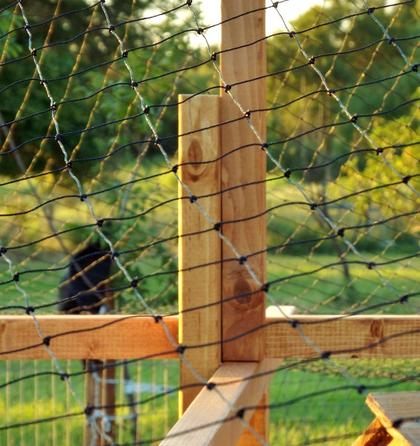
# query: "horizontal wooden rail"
211,409
364,336
125,337
104,337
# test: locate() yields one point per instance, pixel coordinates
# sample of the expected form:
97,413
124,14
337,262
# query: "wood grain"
138,336
209,407
393,406
374,435
283,341
199,287
125,338
243,166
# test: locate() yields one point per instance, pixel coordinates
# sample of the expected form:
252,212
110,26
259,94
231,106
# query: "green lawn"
297,419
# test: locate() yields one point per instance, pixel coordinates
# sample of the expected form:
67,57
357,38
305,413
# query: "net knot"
397,423
134,283
181,349
361,389
29,310
89,410
265,287
64,376
404,299
240,413
242,260
217,226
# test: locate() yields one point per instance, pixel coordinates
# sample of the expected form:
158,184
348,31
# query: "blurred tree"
375,62
82,42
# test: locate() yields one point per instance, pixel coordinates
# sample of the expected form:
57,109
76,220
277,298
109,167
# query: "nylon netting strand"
89,170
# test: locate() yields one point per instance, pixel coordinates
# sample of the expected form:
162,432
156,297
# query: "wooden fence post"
199,286
93,396
244,166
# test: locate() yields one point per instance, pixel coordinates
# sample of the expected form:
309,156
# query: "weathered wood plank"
374,435
201,286
209,407
394,406
397,336
122,338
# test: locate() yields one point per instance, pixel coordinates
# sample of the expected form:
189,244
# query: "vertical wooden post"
199,286
244,166
108,384
108,397
91,436
102,393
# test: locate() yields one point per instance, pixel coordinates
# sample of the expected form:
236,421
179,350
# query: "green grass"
327,291
336,413
300,417
297,419
47,396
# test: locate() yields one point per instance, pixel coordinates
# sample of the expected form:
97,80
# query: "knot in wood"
196,167
377,329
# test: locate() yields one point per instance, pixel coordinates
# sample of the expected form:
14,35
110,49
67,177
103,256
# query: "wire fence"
90,188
